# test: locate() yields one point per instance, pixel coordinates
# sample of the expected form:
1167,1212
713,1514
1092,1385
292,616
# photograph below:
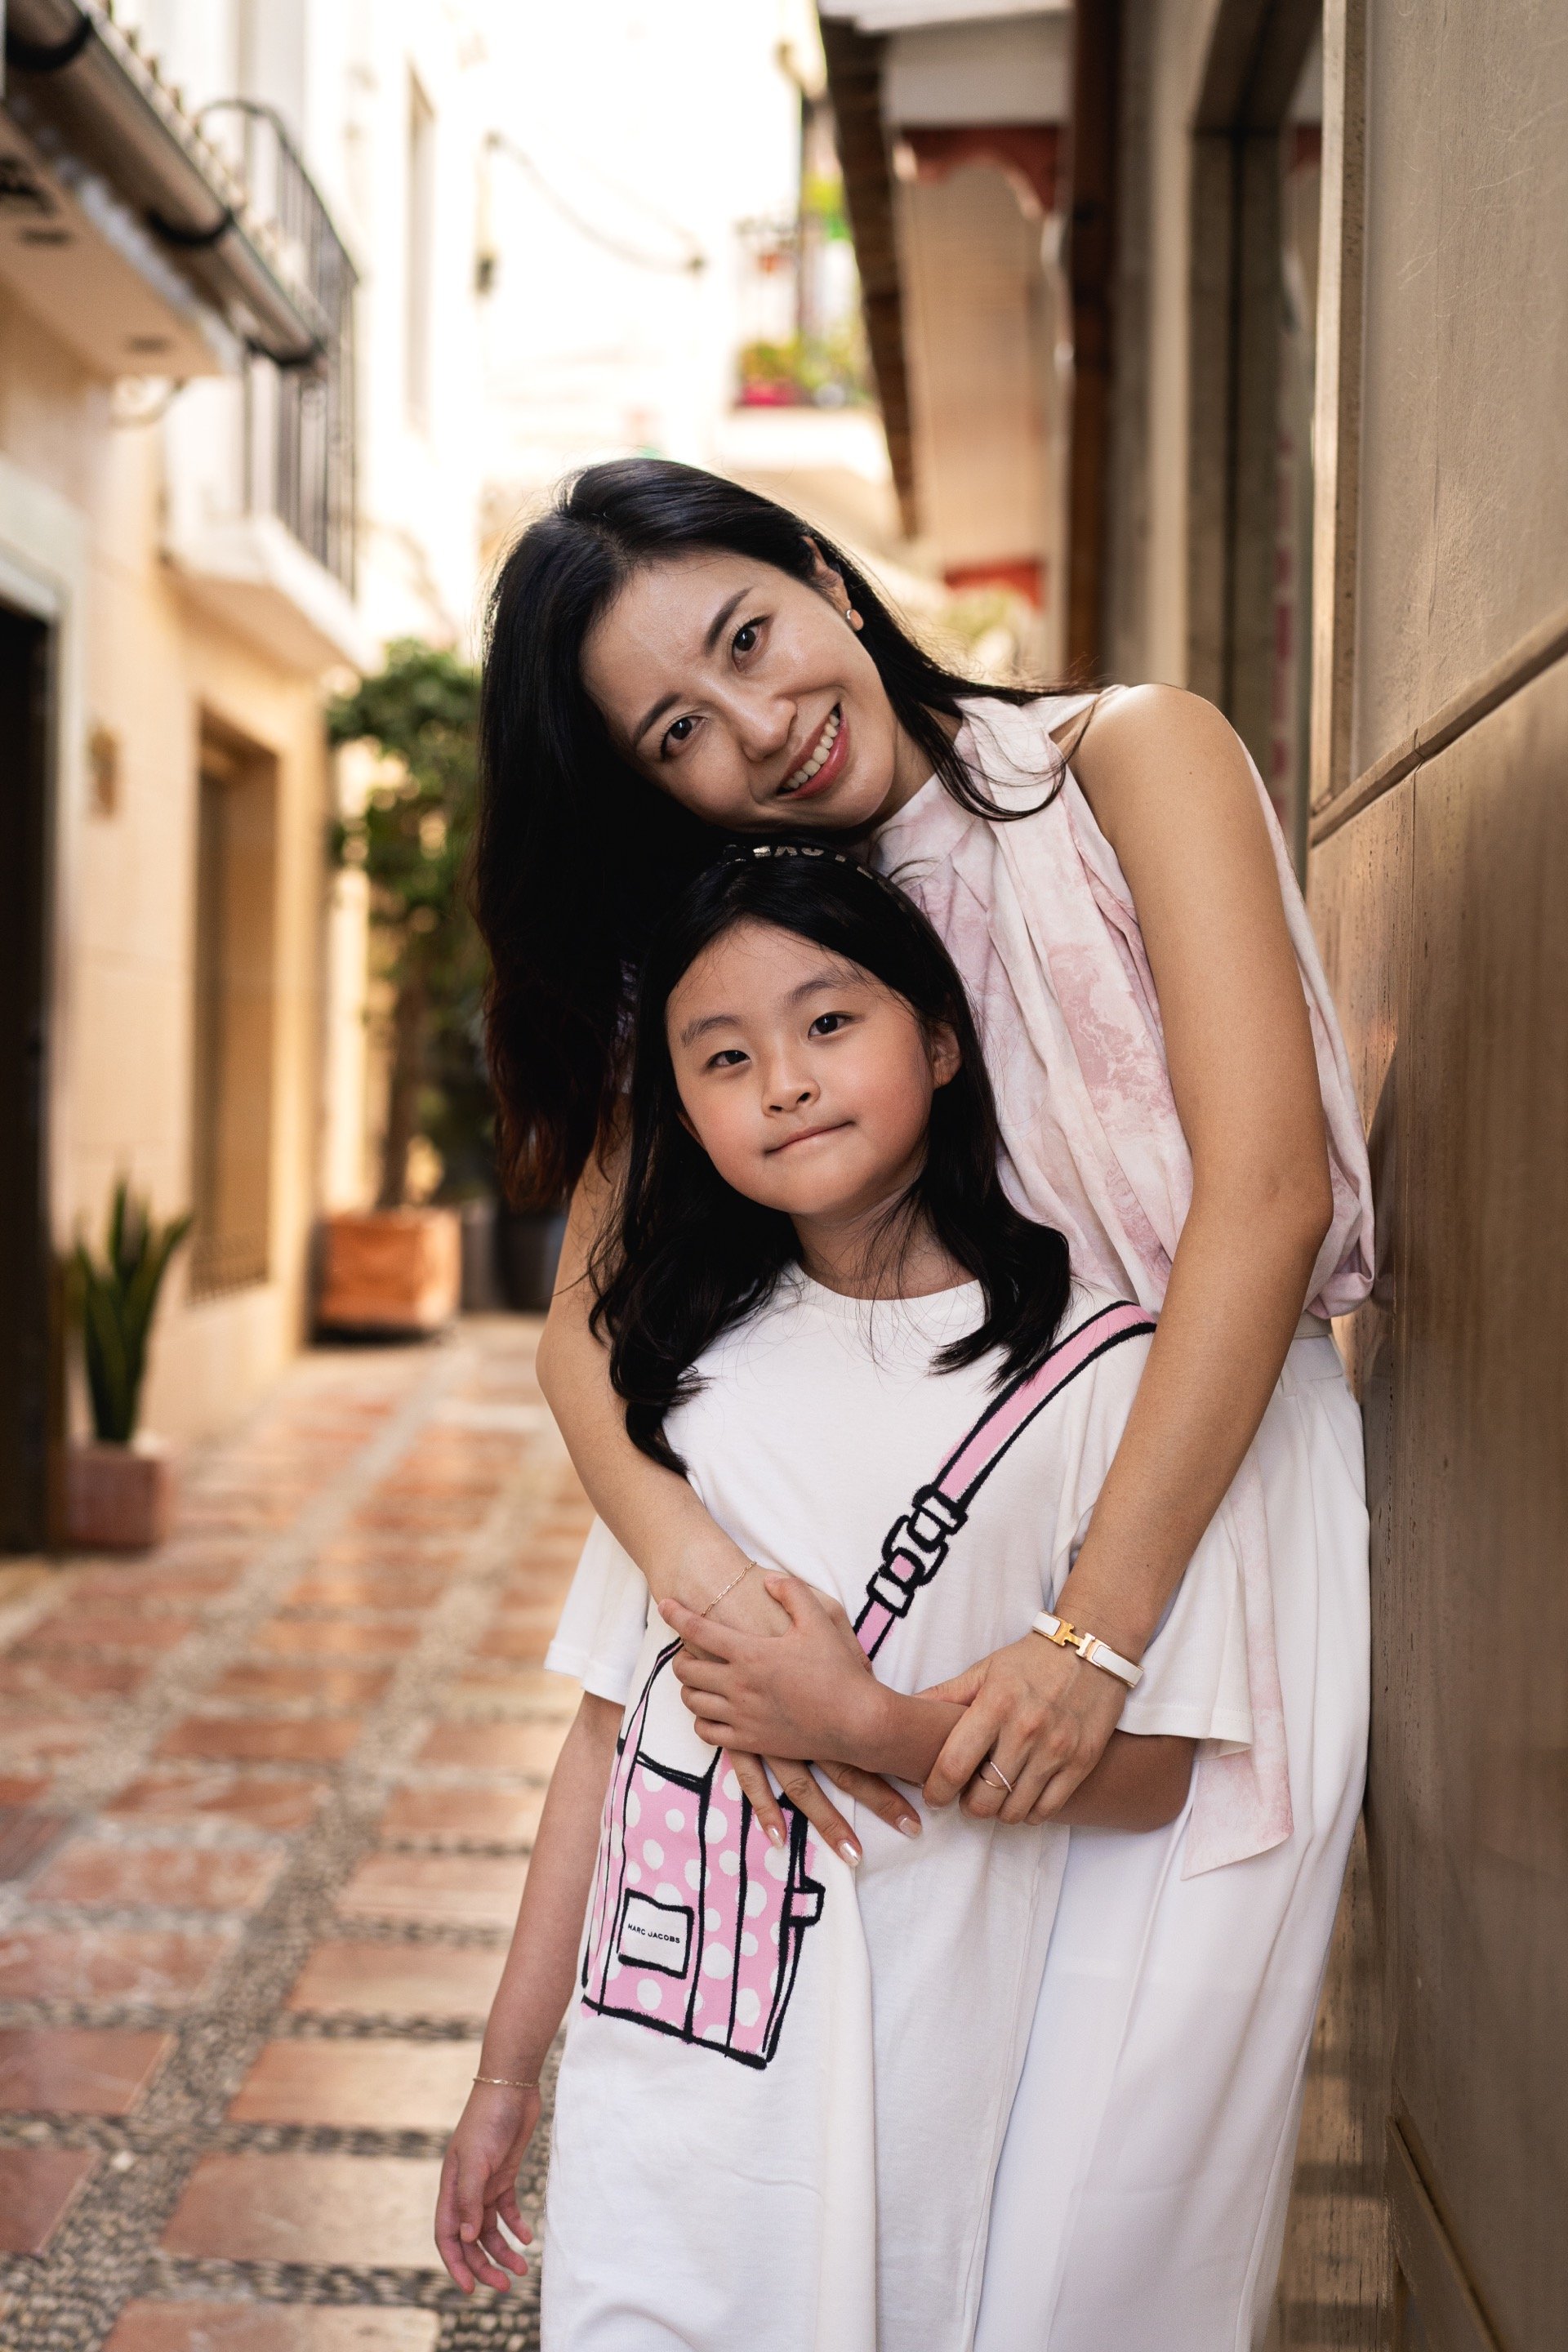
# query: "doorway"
29,1361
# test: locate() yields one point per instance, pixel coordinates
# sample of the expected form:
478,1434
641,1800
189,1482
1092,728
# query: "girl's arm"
479,2177
811,1690
1170,787
655,1517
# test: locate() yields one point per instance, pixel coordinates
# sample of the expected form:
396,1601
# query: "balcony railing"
299,435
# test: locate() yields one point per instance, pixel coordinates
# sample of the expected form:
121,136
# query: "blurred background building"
1217,341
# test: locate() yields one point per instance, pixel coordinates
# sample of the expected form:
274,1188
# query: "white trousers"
1140,2203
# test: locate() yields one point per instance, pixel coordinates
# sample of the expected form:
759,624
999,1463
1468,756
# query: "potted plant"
398,1267
120,1485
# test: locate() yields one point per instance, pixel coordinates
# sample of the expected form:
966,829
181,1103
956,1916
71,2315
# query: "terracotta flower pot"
118,1497
390,1270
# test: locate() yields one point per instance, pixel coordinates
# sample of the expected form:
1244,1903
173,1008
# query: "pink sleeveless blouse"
1039,920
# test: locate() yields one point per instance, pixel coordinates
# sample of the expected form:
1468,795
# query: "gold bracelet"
505,2083
727,1589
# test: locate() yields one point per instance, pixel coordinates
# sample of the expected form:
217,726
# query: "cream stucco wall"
147,665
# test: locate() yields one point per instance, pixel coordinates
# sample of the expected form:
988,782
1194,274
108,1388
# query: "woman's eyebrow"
717,625
716,629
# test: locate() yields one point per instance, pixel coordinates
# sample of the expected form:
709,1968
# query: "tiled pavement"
266,1801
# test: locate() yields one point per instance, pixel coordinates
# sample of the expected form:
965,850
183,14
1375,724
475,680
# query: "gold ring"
1000,1774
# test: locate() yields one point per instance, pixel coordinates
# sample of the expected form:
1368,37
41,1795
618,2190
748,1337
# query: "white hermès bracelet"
1094,1653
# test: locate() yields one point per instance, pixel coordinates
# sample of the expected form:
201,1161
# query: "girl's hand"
478,2187
1042,1713
707,1641
806,1690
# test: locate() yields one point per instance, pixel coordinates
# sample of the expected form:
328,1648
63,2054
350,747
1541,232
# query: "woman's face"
748,696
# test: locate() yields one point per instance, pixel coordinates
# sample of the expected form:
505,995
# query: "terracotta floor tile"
505,1815
332,1637
462,1890
176,1878
535,1588
386,1553
103,1629
321,1739
345,1978
68,2070
367,1587
122,1586
495,1747
550,1696
26,1736
359,2086
309,2208
27,1833
273,2327
330,1687
37,2187
264,1803
57,1674
522,1634
162,1966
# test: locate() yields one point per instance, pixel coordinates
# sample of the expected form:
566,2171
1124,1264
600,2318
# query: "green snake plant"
116,1298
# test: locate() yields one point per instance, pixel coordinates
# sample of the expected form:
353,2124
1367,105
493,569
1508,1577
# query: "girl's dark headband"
741,853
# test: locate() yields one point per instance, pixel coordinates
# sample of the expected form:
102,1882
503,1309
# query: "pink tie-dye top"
1039,920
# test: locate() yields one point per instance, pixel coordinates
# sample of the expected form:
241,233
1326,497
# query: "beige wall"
150,665
1172,42
1464,414
980,326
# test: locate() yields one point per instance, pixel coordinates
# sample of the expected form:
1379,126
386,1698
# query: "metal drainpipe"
159,161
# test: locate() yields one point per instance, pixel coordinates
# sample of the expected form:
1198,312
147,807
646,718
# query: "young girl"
786,2083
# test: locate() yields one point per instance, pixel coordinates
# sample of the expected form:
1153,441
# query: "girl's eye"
729,1058
826,1023
678,732
747,637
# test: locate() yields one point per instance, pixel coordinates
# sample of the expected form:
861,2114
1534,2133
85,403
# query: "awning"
84,95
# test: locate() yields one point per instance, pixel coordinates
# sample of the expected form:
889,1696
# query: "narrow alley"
268,1795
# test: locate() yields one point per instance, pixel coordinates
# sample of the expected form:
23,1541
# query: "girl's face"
748,696
808,1082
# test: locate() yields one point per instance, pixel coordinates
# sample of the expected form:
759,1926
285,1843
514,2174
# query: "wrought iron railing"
298,419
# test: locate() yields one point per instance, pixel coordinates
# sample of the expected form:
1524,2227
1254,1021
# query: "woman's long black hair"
686,1256
575,853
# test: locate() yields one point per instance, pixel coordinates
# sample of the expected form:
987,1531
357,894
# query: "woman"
674,660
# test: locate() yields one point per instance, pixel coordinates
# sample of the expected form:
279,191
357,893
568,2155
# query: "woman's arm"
811,1689
655,1517
653,1514
479,2177
1169,784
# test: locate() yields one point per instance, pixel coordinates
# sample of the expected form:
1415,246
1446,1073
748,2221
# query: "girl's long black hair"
686,1256
575,853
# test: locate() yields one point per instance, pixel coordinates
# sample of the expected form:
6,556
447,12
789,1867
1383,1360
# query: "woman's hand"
801,1635
478,2187
1042,1714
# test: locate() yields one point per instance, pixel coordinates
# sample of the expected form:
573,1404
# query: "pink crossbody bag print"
696,1922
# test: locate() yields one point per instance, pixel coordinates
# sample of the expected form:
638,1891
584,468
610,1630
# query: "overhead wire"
691,266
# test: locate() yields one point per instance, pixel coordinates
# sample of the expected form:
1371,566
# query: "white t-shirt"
786,2082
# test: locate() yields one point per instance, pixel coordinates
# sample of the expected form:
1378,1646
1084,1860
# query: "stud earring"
853,617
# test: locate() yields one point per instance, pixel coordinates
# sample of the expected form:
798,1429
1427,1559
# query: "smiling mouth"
806,1135
817,759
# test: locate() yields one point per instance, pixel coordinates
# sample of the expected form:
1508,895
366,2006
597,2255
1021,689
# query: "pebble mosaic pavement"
266,1801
